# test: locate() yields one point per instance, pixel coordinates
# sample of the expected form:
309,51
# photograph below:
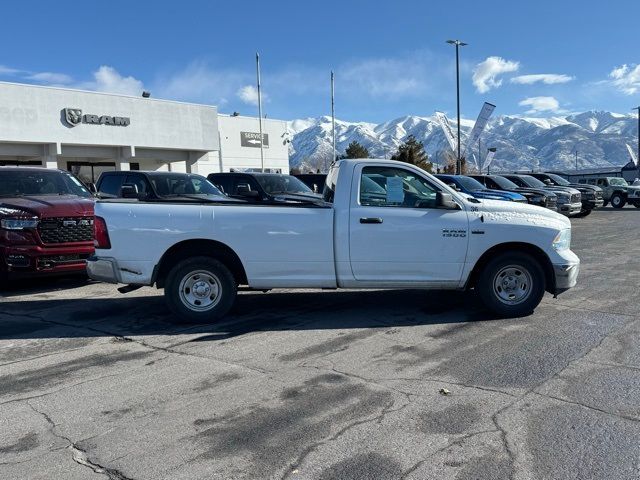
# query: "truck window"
602,182
395,187
329,191
140,182
110,185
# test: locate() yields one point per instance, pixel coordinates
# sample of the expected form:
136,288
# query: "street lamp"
458,44
638,109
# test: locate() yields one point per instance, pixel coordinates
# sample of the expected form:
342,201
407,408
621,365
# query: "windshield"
558,179
38,182
618,182
171,184
275,184
504,183
532,181
470,183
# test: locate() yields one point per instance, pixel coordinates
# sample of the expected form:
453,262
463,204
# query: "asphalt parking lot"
329,385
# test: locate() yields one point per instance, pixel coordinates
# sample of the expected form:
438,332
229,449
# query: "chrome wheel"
512,284
200,290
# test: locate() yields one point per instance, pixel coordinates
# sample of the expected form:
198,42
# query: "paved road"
341,385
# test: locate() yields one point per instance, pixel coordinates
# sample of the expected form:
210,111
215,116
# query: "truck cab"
46,223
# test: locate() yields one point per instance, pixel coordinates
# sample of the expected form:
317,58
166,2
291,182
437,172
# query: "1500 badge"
453,232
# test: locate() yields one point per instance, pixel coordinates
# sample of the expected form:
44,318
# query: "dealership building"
91,132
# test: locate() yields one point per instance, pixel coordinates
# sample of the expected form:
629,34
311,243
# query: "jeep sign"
74,116
252,139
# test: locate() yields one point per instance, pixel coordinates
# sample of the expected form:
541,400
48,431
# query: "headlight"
563,197
562,240
17,219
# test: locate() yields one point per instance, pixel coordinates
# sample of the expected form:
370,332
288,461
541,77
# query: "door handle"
370,220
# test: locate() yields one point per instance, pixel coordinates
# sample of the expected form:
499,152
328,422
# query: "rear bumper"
33,260
109,270
102,269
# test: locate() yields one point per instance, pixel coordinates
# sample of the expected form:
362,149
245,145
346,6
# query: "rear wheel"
618,201
512,284
200,290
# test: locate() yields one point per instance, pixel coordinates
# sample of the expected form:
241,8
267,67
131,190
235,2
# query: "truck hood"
558,188
51,205
519,213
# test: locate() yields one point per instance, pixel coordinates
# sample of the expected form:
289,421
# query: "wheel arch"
513,247
199,247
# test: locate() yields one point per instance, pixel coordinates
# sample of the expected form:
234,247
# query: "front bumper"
569,208
34,260
566,274
591,204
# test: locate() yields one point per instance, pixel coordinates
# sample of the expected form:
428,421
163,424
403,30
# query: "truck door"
397,233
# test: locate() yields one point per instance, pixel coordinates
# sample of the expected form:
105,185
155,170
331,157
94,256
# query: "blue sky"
539,58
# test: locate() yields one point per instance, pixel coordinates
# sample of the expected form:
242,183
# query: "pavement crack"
589,407
80,457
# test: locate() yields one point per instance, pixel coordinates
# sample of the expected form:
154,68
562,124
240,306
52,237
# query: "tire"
583,213
618,201
509,275
216,294
605,203
637,204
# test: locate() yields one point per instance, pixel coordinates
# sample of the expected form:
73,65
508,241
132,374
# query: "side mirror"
454,186
445,200
244,190
92,188
129,190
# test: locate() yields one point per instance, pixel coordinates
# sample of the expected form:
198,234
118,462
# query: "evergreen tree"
355,150
412,151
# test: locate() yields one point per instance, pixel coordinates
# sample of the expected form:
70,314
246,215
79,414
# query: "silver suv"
615,190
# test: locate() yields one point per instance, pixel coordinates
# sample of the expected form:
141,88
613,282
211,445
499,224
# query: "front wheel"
512,284
618,201
637,204
200,290
583,213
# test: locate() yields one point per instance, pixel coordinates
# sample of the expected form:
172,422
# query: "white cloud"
626,78
107,79
50,78
548,78
4,70
541,104
249,94
485,75
383,77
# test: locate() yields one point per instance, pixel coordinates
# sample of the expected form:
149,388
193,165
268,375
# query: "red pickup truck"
46,222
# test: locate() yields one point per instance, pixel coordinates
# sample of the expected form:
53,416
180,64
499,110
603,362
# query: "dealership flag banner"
478,128
488,159
634,157
446,129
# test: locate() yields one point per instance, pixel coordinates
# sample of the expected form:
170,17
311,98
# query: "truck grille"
66,229
598,195
575,198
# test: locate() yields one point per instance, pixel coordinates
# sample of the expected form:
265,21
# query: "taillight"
100,233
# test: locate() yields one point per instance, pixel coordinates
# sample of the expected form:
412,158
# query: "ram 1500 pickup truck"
380,224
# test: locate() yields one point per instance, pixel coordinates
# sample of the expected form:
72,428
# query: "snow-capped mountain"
522,143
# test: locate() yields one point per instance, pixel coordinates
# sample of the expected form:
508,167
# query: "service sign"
252,139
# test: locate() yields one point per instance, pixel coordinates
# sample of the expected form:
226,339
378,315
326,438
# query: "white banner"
479,126
446,129
488,159
633,155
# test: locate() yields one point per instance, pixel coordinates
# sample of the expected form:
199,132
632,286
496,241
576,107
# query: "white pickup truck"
380,224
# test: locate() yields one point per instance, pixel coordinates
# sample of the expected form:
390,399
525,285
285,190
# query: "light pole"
638,109
458,44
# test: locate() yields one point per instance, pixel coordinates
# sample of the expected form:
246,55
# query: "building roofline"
93,92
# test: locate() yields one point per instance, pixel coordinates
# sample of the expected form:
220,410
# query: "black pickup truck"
260,187
154,185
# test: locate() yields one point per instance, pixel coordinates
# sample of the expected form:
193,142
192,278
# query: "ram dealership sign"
74,116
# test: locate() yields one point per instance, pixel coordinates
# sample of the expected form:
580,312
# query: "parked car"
260,187
46,222
154,185
535,196
569,199
590,195
472,187
355,236
615,190
315,181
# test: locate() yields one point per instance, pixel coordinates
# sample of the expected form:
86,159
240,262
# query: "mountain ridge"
521,142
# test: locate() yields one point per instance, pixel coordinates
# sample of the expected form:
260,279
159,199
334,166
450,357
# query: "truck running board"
129,288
